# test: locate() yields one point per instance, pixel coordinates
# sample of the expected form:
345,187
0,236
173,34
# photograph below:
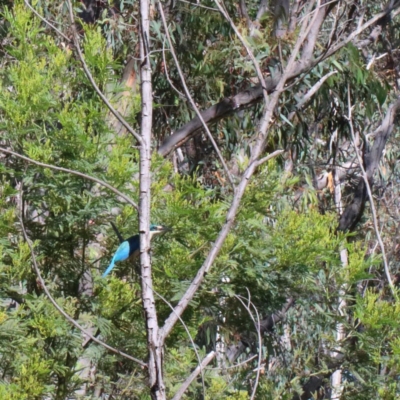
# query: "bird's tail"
109,269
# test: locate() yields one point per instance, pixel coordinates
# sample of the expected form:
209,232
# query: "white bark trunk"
155,345
336,380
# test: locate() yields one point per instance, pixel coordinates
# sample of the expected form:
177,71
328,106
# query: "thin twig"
46,22
307,96
77,173
189,97
234,366
314,89
196,5
371,199
207,359
248,49
92,81
268,157
257,326
181,95
62,312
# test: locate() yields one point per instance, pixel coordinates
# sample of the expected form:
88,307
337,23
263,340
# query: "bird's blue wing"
121,254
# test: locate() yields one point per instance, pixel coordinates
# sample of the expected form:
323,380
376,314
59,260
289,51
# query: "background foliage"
284,243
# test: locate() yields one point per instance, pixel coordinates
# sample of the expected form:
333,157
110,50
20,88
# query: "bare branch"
269,157
46,22
371,199
92,81
248,49
263,7
373,36
207,359
180,94
314,89
320,13
269,323
71,171
257,326
266,325
295,10
197,4
236,365
192,102
244,13
216,112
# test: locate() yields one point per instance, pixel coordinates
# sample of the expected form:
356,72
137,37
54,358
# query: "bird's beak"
159,230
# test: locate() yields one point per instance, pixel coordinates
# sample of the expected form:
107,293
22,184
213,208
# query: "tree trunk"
155,348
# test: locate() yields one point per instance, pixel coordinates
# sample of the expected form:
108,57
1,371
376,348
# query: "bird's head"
157,230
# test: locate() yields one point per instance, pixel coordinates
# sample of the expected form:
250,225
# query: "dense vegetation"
280,273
